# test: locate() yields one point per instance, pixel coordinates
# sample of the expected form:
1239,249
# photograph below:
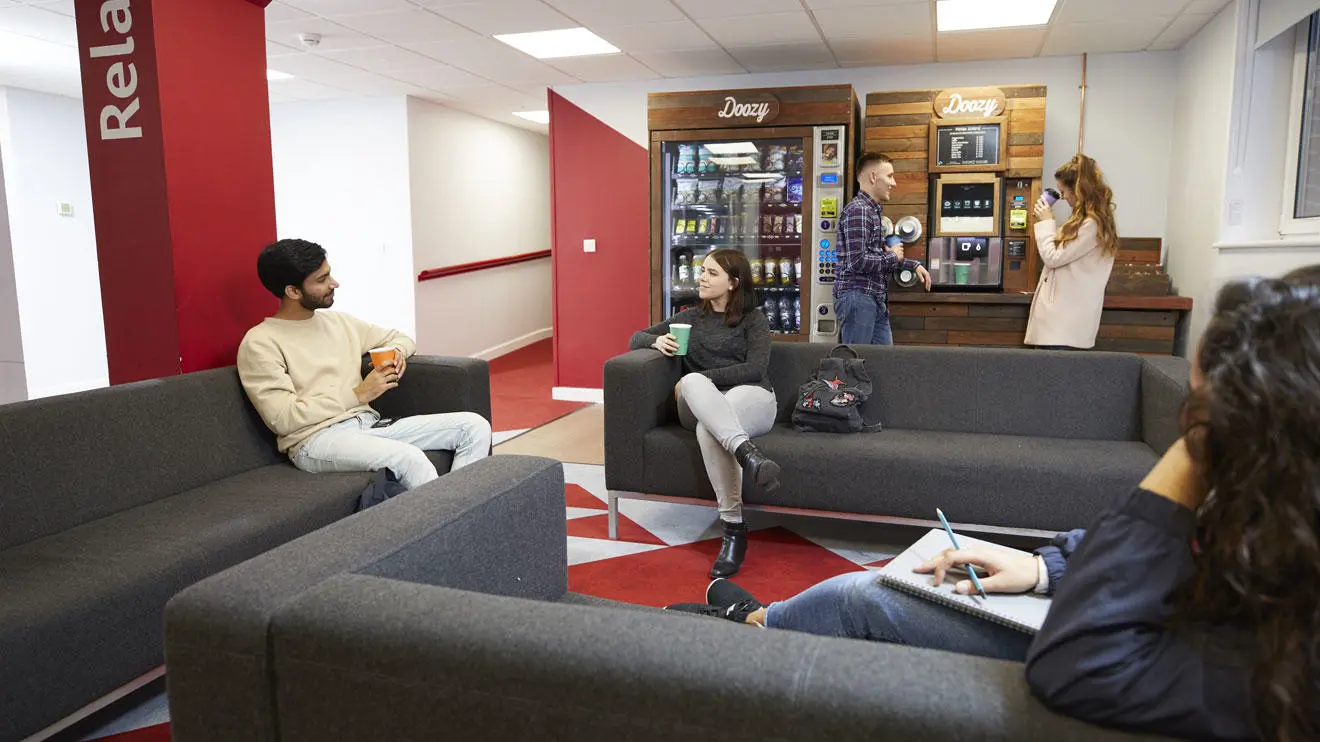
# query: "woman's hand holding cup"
666,344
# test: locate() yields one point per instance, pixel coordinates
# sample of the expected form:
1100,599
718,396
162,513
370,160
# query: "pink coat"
1071,294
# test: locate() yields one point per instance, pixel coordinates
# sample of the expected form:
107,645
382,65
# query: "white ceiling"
441,50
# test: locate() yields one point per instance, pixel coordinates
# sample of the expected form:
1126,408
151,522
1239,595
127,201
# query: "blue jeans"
862,319
858,606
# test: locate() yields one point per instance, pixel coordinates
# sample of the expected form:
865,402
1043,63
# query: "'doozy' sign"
985,102
760,108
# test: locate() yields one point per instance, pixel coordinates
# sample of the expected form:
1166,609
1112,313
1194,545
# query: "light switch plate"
588,246
64,208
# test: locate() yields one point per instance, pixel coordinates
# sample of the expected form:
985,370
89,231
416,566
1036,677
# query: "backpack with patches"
833,400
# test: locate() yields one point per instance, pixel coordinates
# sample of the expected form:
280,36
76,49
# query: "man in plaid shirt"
861,290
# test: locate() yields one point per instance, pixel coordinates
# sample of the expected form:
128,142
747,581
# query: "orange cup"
381,356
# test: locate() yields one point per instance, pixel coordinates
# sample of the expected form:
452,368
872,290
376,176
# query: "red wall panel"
600,186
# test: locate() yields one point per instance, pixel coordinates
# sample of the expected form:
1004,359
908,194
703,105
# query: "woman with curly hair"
1190,607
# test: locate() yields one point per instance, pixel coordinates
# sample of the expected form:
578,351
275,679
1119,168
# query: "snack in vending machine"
692,226
774,191
679,226
706,163
770,308
797,316
786,272
795,190
797,272
767,224
708,191
795,158
771,266
797,224
732,191
687,159
715,222
701,226
775,157
786,313
687,192
756,271
778,225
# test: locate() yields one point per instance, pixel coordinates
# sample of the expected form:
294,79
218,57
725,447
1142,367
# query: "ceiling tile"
278,11
333,35
605,68
785,57
380,58
313,68
761,30
413,26
1008,43
303,90
1183,28
280,50
593,13
439,77
657,37
876,53
335,8
1098,38
830,4
730,8
1087,11
908,19
1201,7
693,63
506,16
492,59
40,24
63,7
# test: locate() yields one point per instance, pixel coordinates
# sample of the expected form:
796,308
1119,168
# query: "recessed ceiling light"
732,148
971,15
276,75
540,117
567,42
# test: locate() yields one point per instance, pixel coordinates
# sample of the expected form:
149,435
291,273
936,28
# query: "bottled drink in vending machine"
786,274
786,313
797,316
771,310
797,272
684,260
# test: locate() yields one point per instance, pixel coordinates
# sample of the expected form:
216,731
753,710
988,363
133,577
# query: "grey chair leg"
614,516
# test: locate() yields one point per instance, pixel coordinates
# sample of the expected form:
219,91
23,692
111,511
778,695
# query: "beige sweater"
300,374
1071,294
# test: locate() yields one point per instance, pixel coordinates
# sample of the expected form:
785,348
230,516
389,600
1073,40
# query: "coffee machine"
979,231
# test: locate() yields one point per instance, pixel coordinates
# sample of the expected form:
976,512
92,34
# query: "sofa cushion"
93,595
76,458
1084,396
999,480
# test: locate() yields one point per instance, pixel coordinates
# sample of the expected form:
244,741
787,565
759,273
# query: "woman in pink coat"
1065,313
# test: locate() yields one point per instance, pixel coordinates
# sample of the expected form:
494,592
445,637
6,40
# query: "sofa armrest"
434,384
496,526
1165,381
360,658
639,394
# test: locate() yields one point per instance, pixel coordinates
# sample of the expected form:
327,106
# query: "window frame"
1289,224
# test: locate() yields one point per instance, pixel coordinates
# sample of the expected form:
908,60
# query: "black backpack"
834,399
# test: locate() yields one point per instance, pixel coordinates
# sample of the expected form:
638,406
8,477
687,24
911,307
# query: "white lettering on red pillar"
121,78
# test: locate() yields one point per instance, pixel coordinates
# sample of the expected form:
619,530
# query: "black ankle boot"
732,550
764,471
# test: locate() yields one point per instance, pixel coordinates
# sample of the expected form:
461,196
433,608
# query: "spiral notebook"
1022,612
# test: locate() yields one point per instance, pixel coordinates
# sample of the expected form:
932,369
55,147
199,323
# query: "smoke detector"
310,40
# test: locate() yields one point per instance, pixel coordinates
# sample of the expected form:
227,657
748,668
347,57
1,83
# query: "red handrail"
481,265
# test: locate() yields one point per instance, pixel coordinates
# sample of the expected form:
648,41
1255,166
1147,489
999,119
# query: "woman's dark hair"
288,263
1253,431
742,299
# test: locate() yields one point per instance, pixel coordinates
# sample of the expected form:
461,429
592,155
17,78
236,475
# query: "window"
1306,196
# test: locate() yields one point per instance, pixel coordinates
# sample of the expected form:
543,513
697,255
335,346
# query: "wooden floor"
577,438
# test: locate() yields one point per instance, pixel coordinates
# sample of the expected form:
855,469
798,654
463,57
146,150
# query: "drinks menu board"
967,145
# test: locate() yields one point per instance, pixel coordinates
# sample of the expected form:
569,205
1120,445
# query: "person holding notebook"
1189,607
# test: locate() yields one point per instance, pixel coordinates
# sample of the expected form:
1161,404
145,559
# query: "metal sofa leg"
614,516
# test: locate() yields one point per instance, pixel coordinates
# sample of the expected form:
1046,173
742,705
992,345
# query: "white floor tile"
502,436
583,550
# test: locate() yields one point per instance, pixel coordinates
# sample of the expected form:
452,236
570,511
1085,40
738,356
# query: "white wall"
341,180
13,382
54,257
480,190
1129,119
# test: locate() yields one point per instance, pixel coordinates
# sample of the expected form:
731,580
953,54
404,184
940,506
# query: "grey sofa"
113,500
1031,442
448,617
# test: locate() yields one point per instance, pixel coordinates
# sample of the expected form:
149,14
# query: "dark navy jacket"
1106,653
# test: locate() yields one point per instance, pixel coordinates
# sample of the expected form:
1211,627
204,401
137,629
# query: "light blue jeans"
858,606
862,319
353,445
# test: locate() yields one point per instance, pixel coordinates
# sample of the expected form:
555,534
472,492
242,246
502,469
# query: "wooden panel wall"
898,124
1005,325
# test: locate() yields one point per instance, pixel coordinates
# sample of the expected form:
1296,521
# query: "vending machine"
765,172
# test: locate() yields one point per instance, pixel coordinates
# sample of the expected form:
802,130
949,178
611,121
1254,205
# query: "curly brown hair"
1253,430
1095,201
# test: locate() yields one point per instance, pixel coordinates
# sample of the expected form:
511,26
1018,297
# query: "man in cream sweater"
302,370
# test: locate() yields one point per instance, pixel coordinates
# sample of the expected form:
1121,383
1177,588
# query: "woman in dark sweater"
725,394
1189,608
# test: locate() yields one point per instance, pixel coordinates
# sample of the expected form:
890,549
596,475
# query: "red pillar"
178,135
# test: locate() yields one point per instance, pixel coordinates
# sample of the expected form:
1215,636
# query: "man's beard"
312,304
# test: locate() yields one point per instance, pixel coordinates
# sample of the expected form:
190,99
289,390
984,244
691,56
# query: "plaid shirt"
865,264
